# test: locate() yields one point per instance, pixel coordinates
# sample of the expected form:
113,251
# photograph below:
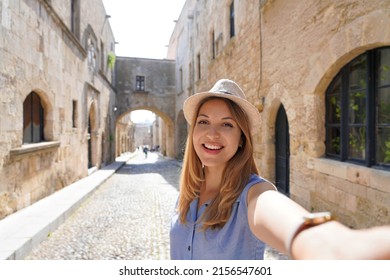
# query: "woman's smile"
212,147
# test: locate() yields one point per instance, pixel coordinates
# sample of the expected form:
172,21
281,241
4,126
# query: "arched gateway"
147,84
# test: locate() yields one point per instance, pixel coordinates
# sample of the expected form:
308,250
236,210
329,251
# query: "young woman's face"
216,135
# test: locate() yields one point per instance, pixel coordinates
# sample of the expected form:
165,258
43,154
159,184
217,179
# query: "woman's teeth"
212,147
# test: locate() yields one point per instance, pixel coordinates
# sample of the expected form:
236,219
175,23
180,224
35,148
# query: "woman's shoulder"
258,185
257,181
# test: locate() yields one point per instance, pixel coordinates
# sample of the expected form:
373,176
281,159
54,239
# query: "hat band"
222,91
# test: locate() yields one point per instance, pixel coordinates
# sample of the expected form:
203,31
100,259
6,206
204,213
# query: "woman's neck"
213,178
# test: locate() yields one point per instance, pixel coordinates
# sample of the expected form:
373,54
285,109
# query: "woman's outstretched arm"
274,218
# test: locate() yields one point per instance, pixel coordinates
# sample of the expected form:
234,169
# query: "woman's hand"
333,240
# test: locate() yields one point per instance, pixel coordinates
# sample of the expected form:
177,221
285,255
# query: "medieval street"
126,218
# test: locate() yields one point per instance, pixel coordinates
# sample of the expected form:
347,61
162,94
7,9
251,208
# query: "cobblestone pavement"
126,218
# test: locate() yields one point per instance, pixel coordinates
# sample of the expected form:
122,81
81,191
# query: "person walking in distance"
146,150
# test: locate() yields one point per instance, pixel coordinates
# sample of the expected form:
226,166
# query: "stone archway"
148,84
163,124
270,114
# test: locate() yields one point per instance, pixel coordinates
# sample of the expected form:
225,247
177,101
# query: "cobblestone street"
126,218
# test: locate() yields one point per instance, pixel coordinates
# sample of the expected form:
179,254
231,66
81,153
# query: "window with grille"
358,111
140,83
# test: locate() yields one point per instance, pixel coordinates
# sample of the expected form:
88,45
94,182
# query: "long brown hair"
235,176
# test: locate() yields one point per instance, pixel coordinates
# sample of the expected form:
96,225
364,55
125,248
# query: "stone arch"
158,95
277,95
168,139
353,39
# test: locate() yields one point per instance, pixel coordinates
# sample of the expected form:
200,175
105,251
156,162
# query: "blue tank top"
233,241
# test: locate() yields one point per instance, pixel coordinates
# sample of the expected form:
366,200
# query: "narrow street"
126,218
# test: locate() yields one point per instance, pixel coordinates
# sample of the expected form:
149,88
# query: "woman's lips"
212,148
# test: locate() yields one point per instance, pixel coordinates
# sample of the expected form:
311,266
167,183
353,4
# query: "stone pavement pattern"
126,218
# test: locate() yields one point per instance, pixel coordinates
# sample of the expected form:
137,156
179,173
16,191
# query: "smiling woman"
226,210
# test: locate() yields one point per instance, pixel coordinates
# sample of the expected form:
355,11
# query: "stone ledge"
370,177
30,148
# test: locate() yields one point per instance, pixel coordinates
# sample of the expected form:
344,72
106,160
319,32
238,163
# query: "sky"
142,116
142,28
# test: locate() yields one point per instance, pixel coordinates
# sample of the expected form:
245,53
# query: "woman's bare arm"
273,218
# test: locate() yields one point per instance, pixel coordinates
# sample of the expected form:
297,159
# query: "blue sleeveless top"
233,241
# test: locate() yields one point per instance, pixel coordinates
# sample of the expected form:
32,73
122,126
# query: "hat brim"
191,104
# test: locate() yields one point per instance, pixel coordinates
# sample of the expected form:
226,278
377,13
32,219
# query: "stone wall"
304,46
66,65
287,53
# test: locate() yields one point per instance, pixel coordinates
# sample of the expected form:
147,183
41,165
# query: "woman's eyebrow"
228,118
224,118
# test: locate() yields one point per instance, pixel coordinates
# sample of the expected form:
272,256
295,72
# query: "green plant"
111,60
336,145
357,142
387,152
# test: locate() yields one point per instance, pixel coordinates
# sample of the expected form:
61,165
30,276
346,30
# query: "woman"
226,210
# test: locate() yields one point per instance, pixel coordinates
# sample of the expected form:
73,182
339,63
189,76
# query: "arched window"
358,111
32,119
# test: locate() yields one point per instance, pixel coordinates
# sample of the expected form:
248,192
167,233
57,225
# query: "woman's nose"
213,132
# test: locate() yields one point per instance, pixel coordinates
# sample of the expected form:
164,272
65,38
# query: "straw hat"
224,89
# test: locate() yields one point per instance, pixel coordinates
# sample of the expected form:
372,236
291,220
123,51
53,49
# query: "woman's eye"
227,125
202,122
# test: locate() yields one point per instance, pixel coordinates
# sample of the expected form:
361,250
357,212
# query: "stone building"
125,135
148,84
318,71
56,96
143,135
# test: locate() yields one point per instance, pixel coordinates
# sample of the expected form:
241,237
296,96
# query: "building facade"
125,135
148,84
318,71
56,93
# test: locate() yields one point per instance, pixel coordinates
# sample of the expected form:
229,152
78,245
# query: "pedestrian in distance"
146,150
226,210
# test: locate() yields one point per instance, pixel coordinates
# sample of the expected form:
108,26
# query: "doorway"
282,152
